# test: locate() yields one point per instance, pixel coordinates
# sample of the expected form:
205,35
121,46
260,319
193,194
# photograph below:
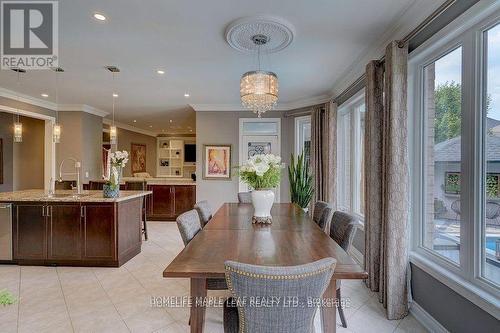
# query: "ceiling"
186,40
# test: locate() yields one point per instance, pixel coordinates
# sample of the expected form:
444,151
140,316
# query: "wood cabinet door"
162,201
98,232
184,198
30,232
64,231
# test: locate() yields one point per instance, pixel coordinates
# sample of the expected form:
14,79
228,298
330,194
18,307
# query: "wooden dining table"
291,239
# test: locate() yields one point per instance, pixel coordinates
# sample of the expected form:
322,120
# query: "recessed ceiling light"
115,95
135,121
99,17
186,95
170,120
44,95
161,72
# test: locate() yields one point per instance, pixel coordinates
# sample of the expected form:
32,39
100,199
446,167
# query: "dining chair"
189,226
140,186
204,211
245,197
95,185
65,185
342,230
322,213
300,283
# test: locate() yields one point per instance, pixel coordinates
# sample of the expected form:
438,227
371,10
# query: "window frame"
299,139
466,278
351,107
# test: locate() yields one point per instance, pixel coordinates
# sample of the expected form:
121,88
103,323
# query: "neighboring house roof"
449,150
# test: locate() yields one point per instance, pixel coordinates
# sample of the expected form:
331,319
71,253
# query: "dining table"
291,239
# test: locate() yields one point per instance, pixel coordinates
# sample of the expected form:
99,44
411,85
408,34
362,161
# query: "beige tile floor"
79,299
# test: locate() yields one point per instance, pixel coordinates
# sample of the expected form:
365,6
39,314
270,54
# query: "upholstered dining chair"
140,186
245,197
342,230
95,186
189,226
322,213
299,282
204,211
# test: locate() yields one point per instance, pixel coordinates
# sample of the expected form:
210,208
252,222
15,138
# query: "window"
350,156
455,153
303,137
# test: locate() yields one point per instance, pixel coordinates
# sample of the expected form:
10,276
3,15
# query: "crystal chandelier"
259,89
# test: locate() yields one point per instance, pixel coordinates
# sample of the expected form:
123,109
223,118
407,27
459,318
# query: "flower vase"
262,201
111,189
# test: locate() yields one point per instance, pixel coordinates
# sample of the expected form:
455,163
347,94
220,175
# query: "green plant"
261,172
6,298
301,181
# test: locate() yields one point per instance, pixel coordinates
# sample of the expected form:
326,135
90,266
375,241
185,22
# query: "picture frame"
1,161
138,157
217,161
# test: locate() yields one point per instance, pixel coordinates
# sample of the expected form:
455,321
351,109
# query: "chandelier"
259,89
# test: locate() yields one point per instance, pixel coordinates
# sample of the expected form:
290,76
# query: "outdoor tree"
448,102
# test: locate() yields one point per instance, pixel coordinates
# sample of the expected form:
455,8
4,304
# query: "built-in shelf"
170,158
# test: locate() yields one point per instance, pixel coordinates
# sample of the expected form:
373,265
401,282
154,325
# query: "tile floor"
79,299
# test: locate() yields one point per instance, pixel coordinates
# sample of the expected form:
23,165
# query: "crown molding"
10,94
130,128
83,108
280,107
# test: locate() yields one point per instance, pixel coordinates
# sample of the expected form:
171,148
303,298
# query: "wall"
6,136
29,156
223,128
126,138
81,138
450,309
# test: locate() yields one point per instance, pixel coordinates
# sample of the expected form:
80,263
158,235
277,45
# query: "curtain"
386,155
324,152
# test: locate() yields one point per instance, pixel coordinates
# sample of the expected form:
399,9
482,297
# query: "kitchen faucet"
78,165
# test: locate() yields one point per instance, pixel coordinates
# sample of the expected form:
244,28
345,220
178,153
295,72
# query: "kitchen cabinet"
98,232
64,231
169,201
30,231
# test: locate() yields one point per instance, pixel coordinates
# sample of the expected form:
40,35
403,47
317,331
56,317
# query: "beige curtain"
324,152
386,155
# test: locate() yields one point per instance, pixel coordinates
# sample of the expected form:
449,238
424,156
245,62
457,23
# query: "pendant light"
56,130
112,129
18,126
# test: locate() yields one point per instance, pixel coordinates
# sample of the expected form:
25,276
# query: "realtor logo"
29,34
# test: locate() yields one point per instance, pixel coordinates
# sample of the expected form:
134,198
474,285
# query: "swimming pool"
490,243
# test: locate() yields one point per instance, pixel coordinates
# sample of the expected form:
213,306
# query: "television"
190,153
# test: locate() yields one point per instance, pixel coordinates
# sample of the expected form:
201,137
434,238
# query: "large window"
350,156
303,137
455,149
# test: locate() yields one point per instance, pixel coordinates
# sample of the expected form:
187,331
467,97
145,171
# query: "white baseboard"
424,318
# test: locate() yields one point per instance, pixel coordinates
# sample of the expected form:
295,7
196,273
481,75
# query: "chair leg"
341,309
145,227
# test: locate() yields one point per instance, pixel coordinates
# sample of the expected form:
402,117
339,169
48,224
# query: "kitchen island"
75,230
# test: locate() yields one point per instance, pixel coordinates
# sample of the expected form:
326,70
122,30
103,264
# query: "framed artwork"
217,162
1,161
138,157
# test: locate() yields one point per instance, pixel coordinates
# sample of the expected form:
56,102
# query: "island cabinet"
76,234
169,201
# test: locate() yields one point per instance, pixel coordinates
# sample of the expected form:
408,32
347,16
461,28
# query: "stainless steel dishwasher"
5,231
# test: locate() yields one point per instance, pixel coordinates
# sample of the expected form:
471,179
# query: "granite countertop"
68,196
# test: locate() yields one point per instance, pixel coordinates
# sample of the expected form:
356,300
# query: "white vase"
262,201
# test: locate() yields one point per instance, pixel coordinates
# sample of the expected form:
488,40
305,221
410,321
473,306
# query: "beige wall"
28,156
6,136
81,138
126,138
223,128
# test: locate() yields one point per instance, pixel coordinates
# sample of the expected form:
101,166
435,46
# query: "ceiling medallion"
259,88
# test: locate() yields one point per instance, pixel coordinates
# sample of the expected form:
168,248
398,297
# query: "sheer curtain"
386,156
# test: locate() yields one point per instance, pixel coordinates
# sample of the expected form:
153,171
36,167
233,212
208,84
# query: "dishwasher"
5,231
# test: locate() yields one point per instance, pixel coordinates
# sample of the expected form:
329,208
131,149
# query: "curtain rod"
441,9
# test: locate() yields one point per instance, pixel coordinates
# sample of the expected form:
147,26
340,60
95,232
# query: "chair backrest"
189,225
204,211
492,210
343,228
322,213
64,185
135,186
95,185
299,283
245,197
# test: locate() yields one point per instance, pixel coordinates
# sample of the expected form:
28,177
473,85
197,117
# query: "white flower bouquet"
261,172
118,160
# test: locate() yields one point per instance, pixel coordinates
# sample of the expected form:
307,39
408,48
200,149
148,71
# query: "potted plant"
118,159
301,182
263,174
